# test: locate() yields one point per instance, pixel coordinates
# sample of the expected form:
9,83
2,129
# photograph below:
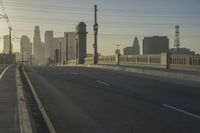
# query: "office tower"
155,45
49,47
6,44
25,48
71,45
36,44
59,49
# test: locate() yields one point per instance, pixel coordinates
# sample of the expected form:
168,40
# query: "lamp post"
95,28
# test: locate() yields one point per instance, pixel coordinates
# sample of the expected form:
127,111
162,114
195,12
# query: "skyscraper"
60,52
155,45
6,44
49,47
25,48
71,45
36,45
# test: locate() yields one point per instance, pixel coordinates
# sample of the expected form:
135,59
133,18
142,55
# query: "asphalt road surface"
9,122
88,100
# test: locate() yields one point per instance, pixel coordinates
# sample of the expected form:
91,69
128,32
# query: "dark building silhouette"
70,45
134,50
155,45
38,47
81,38
181,51
49,48
25,48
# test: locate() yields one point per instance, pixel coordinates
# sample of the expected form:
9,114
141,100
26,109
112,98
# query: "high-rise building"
155,45
49,47
134,50
36,46
81,40
64,48
6,44
60,52
25,48
71,45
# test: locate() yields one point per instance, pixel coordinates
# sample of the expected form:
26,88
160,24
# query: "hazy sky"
119,20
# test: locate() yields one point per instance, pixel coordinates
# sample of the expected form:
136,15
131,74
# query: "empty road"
88,100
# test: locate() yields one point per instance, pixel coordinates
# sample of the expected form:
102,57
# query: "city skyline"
118,23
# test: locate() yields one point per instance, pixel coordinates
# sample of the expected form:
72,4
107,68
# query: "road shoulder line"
182,111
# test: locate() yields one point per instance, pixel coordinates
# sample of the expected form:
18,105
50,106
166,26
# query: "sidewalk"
9,121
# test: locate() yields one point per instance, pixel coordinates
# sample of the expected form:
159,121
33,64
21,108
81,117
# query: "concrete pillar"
164,60
81,40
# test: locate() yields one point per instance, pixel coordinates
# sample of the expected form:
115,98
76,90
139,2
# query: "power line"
117,11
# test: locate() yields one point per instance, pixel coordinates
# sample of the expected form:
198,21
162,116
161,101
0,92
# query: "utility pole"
22,54
10,43
95,28
60,52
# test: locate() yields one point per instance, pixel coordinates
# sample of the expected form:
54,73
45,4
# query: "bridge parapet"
132,60
163,60
185,62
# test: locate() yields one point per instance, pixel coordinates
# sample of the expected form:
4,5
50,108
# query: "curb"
24,118
39,104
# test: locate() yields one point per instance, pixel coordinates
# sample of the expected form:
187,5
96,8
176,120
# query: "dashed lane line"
182,111
101,82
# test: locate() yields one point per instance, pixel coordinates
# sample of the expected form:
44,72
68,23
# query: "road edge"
24,118
39,104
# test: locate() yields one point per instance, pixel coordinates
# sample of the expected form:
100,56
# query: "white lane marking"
74,73
4,72
101,82
182,111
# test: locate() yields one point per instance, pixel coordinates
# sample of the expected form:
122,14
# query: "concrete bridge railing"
132,60
185,62
163,60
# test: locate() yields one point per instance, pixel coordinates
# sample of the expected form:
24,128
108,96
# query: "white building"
6,44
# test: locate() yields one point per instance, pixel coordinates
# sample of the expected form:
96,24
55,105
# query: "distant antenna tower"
177,39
